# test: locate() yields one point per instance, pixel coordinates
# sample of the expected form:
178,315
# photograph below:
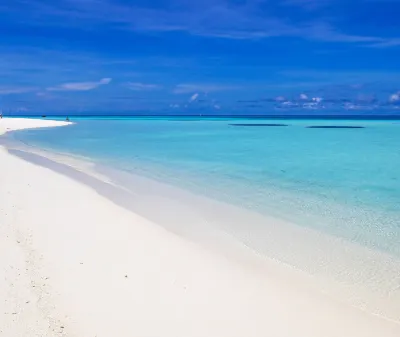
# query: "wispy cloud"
193,88
184,48
220,18
194,97
14,90
138,86
308,4
394,98
385,43
324,32
80,86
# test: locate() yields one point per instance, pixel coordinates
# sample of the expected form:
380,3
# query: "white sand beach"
72,263
13,124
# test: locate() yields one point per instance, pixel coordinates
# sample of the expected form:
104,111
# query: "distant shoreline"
287,117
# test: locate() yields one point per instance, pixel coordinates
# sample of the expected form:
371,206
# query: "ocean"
337,179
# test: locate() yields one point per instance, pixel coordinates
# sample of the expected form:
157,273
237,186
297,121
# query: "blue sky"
217,56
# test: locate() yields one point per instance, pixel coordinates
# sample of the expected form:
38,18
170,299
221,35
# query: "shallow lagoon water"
341,181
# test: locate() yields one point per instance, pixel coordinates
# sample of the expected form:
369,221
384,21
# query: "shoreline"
108,271
354,274
14,124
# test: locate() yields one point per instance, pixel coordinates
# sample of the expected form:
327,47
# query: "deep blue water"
342,181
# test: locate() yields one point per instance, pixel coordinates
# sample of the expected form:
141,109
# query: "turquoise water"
344,182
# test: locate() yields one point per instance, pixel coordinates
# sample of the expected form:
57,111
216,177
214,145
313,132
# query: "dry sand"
72,263
12,124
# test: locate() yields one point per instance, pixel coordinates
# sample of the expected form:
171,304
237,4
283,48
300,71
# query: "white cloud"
13,90
143,86
303,97
289,104
80,86
317,99
194,97
224,19
280,99
395,97
192,88
217,107
41,94
174,106
106,80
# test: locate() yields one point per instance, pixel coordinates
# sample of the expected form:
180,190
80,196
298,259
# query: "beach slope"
13,124
72,263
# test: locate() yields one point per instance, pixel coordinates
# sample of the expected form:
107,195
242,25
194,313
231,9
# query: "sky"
191,57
